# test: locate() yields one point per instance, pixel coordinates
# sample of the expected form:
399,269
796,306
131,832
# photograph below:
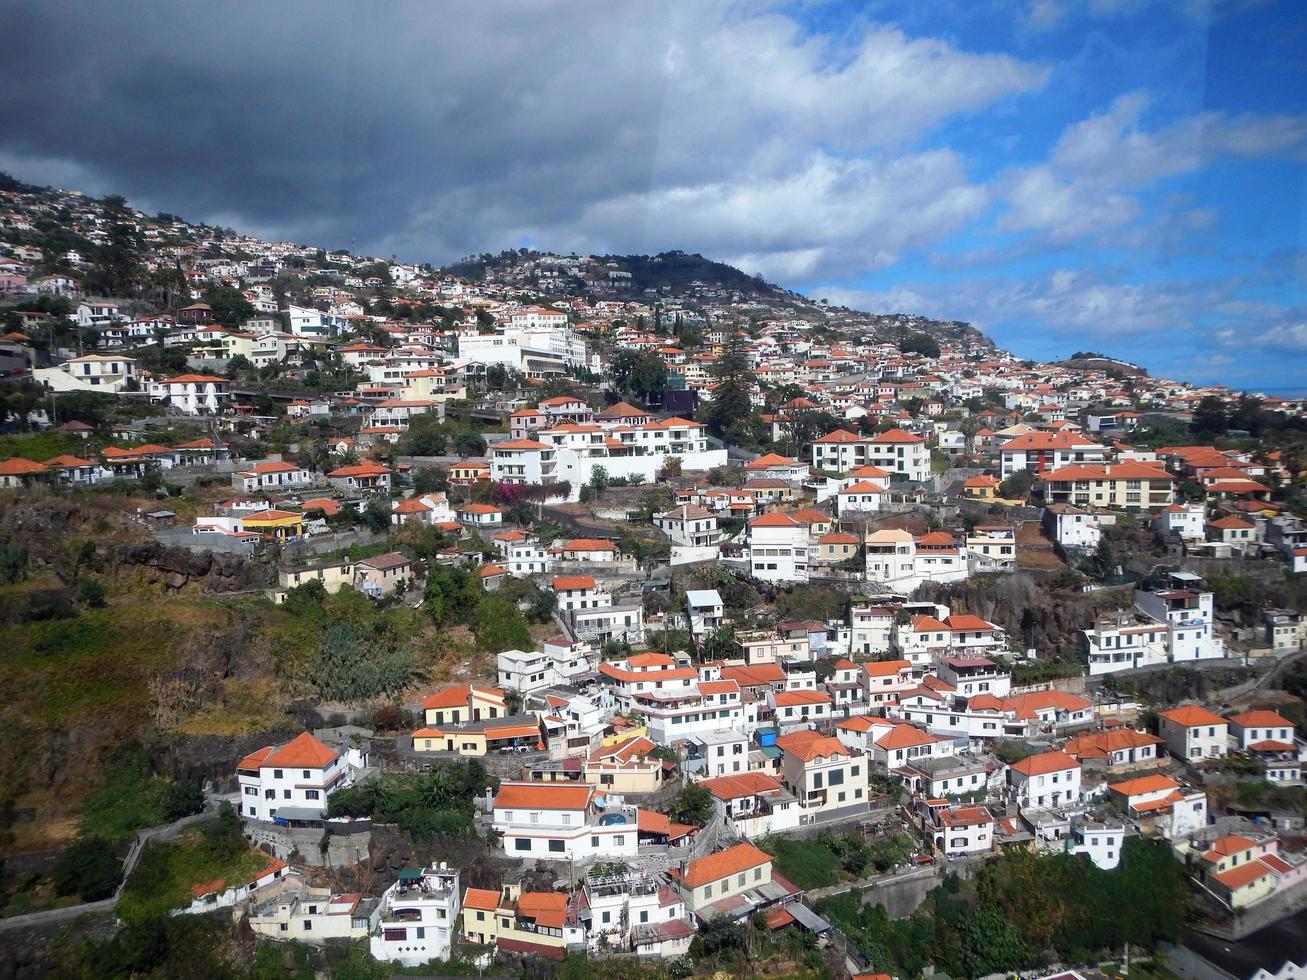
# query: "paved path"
60,916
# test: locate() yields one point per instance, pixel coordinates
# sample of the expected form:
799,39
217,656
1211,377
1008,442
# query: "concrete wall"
343,850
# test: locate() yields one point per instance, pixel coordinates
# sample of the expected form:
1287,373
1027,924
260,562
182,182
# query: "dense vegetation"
828,859
166,872
436,803
1023,910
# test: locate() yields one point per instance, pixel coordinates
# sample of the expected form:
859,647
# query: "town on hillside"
553,609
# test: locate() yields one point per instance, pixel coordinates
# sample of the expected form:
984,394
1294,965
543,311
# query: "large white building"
557,664
533,350
418,917
91,372
563,823
895,451
193,394
1041,452
1170,624
778,548
294,780
676,700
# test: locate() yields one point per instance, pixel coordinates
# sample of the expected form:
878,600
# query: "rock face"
196,758
72,536
1023,605
179,567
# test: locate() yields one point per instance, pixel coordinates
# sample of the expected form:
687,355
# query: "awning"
807,918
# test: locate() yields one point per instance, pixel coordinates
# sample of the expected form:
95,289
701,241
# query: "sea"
1293,393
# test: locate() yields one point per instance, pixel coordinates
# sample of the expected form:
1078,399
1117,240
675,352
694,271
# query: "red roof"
302,752
714,867
1044,763
565,583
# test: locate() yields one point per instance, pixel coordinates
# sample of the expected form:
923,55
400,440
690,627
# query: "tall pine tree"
731,399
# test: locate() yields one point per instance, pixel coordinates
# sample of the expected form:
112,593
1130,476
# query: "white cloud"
1090,182
1286,336
700,124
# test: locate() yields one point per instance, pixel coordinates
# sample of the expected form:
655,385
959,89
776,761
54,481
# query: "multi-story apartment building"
1122,486
895,451
1043,452
675,700
417,918
562,823
1172,623
822,773
778,547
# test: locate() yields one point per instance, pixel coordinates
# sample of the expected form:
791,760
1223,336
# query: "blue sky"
1148,197
1118,175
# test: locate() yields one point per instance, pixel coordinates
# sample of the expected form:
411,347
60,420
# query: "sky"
1123,176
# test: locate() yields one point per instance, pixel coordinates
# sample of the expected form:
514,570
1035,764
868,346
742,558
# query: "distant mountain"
668,273
1090,361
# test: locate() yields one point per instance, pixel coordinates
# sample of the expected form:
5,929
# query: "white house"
1191,732
563,823
705,611
417,917
1048,779
778,548
294,779
194,394
91,372
273,473
689,525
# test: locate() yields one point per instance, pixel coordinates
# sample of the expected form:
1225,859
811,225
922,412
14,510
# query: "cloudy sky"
1118,175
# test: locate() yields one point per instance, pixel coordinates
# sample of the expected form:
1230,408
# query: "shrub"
91,593
88,868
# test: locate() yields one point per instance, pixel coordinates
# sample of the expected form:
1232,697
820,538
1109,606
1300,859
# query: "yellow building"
725,883
519,922
463,703
627,767
983,487
1129,485
276,525
334,575
478,738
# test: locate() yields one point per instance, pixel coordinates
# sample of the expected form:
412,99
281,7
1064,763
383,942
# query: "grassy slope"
167,871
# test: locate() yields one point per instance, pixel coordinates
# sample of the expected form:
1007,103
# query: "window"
556,846
522,844
311,794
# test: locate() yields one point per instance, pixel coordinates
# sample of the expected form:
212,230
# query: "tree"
499,625
451,595
640,372
88,868
919,343
229,305
1210,417
1017,486
732,398
426,435
598,482
693,805
116,264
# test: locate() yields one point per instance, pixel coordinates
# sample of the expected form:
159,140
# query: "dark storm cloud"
434,130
